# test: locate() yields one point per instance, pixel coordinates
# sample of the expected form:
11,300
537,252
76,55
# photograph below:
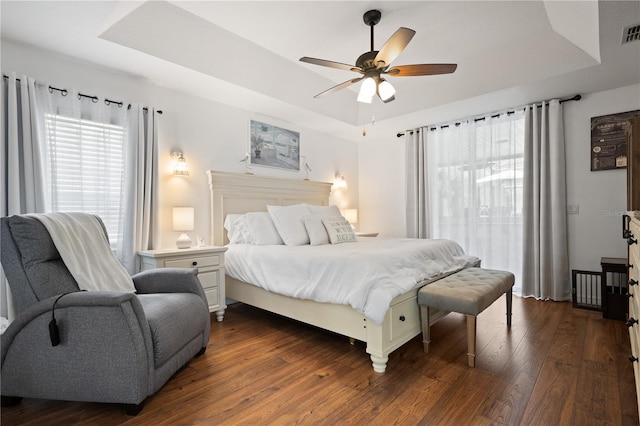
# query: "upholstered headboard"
242,193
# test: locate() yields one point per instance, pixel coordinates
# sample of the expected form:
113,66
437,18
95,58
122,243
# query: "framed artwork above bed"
273,146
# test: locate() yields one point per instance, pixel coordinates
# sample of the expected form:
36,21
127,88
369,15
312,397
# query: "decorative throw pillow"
262,229
339,230
288,222
316,230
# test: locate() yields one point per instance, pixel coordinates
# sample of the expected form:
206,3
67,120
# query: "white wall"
210,134
597,230
594,233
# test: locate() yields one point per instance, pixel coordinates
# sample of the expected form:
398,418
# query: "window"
476,172
85,167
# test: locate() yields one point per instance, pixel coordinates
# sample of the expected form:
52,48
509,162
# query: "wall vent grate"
631,33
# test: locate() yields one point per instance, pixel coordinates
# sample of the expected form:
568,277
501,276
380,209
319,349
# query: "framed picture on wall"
609,140
275,147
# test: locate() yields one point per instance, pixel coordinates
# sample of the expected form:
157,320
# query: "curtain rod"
95,99
573,98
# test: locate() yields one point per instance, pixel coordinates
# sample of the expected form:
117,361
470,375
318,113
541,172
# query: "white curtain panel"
474,175
141,187
21,179
545,246
417,195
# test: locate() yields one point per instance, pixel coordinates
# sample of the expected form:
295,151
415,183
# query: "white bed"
242,193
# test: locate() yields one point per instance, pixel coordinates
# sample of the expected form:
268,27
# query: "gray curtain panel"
140,220
545,246
21,179
417,196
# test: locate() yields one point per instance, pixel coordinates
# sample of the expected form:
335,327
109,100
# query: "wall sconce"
180,167
352,216
183,222
339,184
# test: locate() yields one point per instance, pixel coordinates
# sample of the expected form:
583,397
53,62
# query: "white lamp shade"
351,215
367,90
183,219
386,90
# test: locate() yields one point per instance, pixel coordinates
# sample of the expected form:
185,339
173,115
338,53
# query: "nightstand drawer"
209,279
212,297
194,262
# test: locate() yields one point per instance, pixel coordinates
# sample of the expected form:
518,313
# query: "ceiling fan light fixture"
372,64
367,90
386,90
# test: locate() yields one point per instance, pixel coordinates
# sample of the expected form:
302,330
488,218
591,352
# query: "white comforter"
366,274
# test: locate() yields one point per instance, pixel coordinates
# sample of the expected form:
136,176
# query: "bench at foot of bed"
469,291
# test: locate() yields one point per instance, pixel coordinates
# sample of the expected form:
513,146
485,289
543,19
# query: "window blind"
85,162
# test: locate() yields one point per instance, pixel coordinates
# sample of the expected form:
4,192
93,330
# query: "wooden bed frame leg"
509,297
379,363
426,330
471,340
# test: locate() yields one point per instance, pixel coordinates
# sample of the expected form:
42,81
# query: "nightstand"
366,234
208,260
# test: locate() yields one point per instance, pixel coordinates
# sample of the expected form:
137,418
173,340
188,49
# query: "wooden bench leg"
509,297
426,335
471,340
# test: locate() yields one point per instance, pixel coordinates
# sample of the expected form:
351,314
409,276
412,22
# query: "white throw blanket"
85,250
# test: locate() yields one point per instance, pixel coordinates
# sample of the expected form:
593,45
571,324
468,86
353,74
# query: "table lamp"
352,216
183,222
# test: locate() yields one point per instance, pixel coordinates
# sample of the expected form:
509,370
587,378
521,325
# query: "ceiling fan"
373,64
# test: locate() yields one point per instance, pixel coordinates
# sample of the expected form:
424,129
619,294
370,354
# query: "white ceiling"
246,54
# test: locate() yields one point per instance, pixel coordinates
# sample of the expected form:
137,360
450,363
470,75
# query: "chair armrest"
104,338
169,280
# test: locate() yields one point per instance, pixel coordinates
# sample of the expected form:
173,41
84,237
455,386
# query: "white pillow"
316,230
237,229
339,230
262,229
288,221
326,211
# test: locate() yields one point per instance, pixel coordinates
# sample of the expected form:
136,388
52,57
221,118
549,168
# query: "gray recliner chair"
115,347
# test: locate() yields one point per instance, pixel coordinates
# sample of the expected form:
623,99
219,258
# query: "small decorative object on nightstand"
210,264
366,234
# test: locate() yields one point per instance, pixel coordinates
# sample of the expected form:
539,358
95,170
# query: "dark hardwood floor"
555,366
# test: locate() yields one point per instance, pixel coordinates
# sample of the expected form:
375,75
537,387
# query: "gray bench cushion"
469,291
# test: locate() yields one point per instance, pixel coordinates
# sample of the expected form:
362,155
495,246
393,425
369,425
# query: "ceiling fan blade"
331,64
421,69
393,47
338,87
